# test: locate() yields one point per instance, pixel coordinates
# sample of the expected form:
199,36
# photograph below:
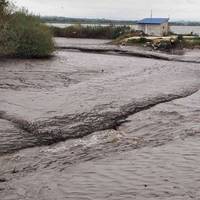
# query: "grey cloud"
114,9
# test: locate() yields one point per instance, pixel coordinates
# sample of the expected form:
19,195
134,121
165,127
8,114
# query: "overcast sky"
115,9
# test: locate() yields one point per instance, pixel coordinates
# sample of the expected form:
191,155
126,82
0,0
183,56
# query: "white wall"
156,30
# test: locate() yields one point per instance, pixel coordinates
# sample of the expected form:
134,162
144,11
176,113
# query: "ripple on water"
164,172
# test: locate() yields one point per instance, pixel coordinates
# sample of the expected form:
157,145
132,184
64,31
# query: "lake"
175,29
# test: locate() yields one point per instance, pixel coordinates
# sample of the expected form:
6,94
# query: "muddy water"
166,172
94,126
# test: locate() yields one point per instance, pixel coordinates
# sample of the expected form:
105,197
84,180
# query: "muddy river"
89,124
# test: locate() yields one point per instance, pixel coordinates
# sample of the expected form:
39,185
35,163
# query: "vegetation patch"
23,35
140,40
191,43
94,32
166,44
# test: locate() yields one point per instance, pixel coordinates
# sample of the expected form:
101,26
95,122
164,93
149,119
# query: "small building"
154,26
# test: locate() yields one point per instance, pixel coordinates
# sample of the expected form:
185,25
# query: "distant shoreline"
65,20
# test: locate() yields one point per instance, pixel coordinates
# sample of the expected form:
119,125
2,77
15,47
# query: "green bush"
24,36
191,43
139,41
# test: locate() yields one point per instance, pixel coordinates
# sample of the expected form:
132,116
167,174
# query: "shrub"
96,32
4,15
24,36
143,40
192,43
139,41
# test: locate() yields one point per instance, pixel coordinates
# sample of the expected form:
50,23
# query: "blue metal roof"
153,21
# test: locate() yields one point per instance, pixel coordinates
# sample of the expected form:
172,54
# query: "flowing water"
99,126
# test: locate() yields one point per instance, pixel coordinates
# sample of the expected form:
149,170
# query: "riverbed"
88,125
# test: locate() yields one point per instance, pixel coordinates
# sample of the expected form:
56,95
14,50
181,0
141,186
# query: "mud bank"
96,126
105,48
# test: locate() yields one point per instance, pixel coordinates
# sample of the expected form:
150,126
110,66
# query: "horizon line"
109,19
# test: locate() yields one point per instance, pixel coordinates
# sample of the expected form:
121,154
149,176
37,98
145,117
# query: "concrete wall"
155,30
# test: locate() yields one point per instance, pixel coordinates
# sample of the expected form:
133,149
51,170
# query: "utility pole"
151,13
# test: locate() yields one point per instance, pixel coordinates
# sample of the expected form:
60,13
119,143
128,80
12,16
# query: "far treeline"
22,34
68,20
91,32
